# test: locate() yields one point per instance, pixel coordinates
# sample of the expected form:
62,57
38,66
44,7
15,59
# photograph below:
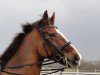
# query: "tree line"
90,65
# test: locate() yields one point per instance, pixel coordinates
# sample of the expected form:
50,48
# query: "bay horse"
36,42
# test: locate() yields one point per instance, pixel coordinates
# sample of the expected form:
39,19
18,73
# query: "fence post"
77,71
61,72
49,69
95,70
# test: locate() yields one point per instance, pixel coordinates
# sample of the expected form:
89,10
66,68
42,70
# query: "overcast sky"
78,20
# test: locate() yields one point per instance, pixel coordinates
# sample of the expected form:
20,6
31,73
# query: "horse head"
55,45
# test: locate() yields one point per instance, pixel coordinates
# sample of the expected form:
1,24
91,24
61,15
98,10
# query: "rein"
15,67
31,64
58,55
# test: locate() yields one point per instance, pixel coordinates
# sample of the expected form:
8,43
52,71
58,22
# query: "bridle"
58,54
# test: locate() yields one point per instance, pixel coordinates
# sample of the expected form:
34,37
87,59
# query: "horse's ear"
45,16
52,19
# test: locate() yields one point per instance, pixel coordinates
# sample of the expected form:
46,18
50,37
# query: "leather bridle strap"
47,27
58,50
45,40
65,45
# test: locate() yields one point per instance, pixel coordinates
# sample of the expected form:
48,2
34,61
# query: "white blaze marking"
70,44
61,34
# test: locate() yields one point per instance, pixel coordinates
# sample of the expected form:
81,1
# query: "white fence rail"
77,72
73,73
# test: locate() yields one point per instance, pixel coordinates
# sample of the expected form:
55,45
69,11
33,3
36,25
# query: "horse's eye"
52,35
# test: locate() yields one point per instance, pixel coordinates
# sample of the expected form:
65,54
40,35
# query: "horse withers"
38,41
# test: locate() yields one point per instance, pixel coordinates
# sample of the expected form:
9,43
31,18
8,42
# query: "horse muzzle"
75,62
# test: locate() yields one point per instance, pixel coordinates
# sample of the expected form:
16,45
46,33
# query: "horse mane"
14,46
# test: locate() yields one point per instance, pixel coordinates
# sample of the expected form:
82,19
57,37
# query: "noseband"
58,54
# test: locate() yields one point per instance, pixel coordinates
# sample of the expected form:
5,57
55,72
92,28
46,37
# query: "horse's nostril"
76,60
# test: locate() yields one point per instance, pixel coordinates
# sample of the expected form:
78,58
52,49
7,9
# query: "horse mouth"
66,63
69,63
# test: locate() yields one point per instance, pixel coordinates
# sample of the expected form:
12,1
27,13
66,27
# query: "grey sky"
78,20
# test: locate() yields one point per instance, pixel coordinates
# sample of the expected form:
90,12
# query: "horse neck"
26,54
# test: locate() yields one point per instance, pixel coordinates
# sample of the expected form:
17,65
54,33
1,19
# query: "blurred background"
78,20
